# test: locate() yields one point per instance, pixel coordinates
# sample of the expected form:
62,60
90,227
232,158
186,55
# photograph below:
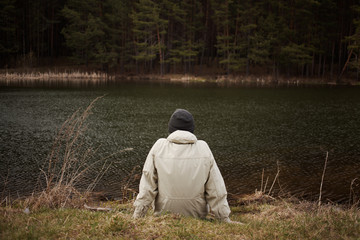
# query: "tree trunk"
332,61
313,65
52,32
38,32
205,34
274,71
319,67
340,55
347,62
324,67
160,54
357,68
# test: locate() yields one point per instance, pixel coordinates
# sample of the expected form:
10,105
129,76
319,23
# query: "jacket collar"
182,137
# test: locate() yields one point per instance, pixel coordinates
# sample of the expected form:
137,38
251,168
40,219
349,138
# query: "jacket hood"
182,137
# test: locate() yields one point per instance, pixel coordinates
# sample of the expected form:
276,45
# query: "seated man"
180,174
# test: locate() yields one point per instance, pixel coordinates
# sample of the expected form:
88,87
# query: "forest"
295,38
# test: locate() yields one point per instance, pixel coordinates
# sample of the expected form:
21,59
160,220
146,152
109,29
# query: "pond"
253,132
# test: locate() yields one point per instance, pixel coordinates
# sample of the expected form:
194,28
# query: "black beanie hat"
181,120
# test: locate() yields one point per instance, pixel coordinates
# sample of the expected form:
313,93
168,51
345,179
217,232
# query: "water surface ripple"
248,129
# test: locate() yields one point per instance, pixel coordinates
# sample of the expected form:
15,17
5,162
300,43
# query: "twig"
276,176
4,200
69,152
351,196
347,61
267,179
97,208
66,219
126,183
322,178
262,180
46,177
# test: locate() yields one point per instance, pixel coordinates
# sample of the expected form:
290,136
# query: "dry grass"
69,161
279,219
128,193
265,195
354,196
264,217
50,78
53,75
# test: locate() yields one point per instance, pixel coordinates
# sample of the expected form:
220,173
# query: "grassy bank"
276,220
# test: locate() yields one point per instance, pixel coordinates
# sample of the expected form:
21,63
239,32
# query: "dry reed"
4,196
263,195
46,78
127,192
54,75
67,164
354,199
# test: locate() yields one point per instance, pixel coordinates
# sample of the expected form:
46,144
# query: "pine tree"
9,44
250,35
84,33
191,29
118,32
297,37
175,14
272,28
226,46
297,53
353,61
327,20
148,32
184,20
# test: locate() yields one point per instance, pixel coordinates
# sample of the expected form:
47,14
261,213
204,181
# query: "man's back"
183,165
180,175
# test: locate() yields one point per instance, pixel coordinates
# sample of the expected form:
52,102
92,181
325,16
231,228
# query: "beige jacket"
181,175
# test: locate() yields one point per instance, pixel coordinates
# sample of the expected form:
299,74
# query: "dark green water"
248,130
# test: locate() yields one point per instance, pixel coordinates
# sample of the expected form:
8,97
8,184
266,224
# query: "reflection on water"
248,130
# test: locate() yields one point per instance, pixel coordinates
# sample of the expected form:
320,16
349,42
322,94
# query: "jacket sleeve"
215,193
148,187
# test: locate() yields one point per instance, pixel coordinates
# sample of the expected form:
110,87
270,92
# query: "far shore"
11,77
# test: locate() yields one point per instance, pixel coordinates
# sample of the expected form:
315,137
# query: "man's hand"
227,220
235,222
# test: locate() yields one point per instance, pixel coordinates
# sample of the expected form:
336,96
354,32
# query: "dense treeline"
308,38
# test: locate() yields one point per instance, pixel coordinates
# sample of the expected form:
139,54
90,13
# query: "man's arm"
216,194
148,188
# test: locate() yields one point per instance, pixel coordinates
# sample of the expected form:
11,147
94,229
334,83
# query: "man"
180,174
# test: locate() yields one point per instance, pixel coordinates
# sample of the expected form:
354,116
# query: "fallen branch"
97,208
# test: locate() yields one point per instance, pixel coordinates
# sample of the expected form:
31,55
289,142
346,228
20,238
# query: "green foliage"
170,35
296,54
149,29
84,33
94,30
185,46
354,41
8,42
118,46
